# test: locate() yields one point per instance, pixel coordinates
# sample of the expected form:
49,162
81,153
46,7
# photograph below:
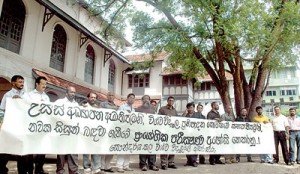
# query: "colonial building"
57,39
282,90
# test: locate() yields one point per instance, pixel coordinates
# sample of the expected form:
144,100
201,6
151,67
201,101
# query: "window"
288,92
11,25
138,80
111,75
58,50
89,64
174,80
206,86
270,93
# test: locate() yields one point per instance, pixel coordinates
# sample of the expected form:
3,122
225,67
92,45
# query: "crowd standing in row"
285,128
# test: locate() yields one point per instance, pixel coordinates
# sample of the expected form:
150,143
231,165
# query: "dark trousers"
72,163
201,159
167,160
280,137
191,159
3,161
214,158
147,160
39,163
25,164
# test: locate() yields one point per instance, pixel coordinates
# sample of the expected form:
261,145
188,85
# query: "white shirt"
126,107
10,94
279,123
36,96
66,101
294,123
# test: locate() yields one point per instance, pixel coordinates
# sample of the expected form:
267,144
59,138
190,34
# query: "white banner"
46,128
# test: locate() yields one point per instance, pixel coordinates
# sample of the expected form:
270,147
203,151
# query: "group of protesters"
285,128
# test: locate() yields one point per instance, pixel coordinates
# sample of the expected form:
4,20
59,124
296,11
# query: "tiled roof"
63,84
143,57
207,78
167,72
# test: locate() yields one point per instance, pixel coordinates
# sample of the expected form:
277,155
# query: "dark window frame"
58,48
89,64
139,80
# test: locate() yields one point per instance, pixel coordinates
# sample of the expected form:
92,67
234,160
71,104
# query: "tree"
218,36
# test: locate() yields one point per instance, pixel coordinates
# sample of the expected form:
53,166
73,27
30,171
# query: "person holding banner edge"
260,118
24,162
38,95
169,110
72,159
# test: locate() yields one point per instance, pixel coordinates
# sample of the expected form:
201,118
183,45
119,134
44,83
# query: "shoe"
202,162
120,170
238,159
41,172
219,162
172,166
144,168
87,171
289,163
233,161
108,170
128,169
262,161
98,172
227,161
164,167
250,160
270,162
212,163
298,162
195,164
154,168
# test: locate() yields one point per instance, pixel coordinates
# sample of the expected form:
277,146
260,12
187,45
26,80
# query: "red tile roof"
207,78
62,83
143,57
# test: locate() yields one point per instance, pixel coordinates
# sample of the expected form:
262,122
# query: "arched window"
58,50
53,96
111,75
11,24
89,64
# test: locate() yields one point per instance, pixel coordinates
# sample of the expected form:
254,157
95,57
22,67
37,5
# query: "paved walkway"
240,168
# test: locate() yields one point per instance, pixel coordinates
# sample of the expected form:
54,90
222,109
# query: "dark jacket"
241,119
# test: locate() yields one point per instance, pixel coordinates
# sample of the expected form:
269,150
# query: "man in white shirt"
123,160
38,95
25,162
281,135
72,159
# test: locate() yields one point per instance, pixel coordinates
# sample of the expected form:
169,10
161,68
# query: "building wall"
36,49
